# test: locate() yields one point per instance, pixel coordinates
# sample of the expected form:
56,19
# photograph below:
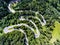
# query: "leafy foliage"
56,32
3,8
48,8
12,38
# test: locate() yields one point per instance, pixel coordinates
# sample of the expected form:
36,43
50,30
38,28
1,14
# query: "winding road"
36,34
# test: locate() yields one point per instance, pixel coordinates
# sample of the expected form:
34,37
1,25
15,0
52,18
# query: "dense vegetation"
49,34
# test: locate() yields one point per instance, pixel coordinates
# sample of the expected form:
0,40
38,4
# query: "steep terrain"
33,23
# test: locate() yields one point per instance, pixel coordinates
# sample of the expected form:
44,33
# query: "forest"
34,22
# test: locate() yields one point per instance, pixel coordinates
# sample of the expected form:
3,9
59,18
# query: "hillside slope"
33,23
